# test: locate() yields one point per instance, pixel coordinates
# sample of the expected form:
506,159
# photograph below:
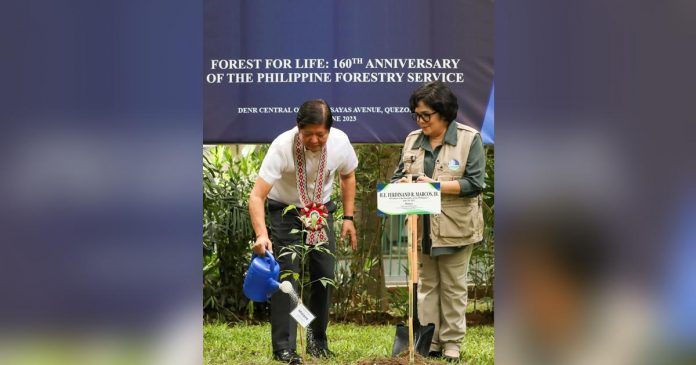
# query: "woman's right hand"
262,244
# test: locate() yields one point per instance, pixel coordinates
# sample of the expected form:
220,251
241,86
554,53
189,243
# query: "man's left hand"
349,229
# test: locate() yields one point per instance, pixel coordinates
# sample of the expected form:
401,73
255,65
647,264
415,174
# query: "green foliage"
301,252
242,344
361,300
482,267
479,345
398,301
227,231
360,273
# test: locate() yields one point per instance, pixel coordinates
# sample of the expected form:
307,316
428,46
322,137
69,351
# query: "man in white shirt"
299,169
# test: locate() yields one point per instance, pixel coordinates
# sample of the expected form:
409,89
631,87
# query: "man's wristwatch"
347,218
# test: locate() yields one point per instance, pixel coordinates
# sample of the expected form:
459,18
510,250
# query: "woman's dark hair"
438,96
315,111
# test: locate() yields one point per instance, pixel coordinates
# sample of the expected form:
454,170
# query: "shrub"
227,231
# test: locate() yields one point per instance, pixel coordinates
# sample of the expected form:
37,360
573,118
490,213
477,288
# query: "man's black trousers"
283,326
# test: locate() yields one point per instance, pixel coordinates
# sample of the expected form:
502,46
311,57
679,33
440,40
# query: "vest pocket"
412,165
458,220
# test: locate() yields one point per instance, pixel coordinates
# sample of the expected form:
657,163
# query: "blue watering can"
261,280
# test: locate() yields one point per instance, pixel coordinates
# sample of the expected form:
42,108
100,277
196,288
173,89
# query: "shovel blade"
400,340
423,337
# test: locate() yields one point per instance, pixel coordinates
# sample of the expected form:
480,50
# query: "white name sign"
302,315
408,198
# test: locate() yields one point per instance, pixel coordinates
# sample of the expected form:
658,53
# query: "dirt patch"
477,318
370,317
402,359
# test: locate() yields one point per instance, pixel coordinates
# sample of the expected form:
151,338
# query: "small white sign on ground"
302,315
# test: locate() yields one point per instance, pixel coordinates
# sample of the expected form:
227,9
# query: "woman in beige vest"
451,153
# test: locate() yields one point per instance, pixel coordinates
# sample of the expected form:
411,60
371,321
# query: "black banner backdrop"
263,58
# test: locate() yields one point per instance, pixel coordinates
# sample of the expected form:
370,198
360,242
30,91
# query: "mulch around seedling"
402,359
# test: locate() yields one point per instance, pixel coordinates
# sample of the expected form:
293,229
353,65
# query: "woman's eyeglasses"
423,116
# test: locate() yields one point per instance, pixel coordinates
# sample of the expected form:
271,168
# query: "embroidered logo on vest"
453,165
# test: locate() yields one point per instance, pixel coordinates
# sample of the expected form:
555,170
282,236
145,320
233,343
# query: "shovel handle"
414,248
413,277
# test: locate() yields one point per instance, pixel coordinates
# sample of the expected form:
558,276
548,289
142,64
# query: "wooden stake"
411,259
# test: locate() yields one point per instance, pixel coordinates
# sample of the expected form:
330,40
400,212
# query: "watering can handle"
253,254
271,260
268,258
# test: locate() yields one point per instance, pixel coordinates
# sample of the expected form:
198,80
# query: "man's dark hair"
315,111
439,97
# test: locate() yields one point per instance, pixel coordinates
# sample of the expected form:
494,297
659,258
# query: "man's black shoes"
287,356
320,352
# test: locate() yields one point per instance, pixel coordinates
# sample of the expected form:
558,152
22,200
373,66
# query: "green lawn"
245,344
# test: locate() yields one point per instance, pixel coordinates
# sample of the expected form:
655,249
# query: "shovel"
414,337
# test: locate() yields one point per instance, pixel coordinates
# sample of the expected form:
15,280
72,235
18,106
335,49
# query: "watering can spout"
261,280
